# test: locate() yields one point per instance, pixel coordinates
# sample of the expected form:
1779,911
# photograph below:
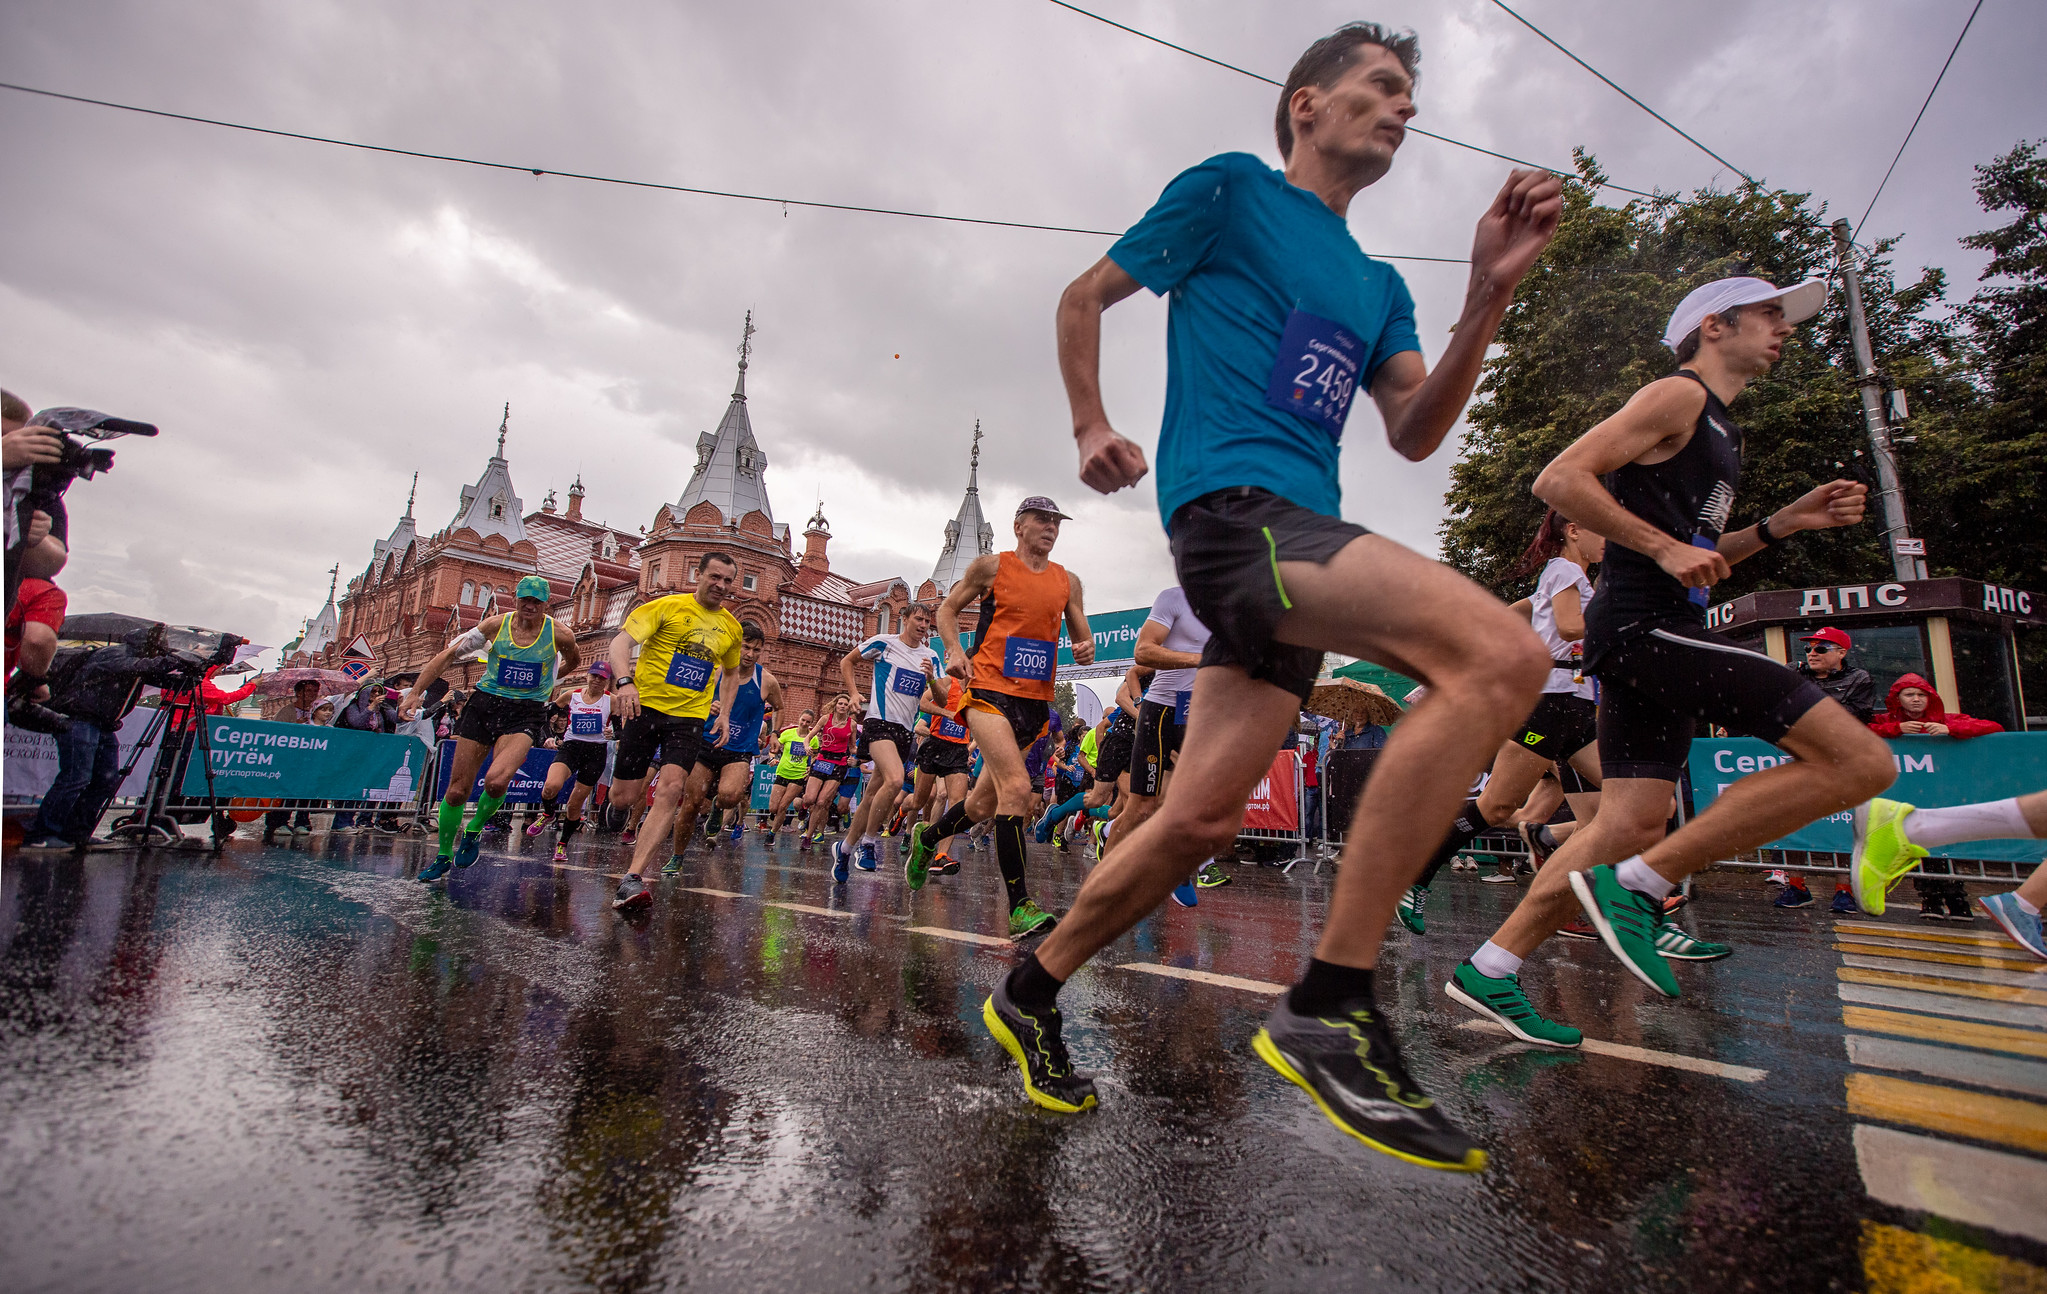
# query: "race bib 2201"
690,673
1316,374
1028,658
521,674
586,723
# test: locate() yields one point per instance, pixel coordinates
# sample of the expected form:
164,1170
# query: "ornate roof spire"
504,425
492,506
968,535
745,350
320,630
412,496
731,470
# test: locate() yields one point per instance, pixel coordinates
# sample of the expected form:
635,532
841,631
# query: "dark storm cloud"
311,325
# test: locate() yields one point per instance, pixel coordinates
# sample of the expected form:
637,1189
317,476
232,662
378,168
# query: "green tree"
1583,335
1062,701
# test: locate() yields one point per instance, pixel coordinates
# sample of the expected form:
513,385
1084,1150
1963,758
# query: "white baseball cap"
1801,302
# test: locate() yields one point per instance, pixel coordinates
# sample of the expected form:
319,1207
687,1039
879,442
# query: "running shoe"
432,872
1042,829
1794,895
1027,919
1776,877
1501,877
1210,875
1627,922
1679,946
628,836
1032,1040
1958,908
467,848
632,893
866,862
1578,928
540,824
672,866
561,851
2021,925
1100,830
302,830
1844,903
1675,900
1350,1065
768,837
839,872
1502,1001
1931,908
1059,843
945,865
1186,895
1413,904
1531,840
738,832
1880,855
920,851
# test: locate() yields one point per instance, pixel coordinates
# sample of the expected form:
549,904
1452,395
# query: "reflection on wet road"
296,1068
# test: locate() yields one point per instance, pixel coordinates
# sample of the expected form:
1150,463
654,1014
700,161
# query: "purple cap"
600,669
1039,503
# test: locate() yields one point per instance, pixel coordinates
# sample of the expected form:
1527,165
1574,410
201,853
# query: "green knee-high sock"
486,805
451,823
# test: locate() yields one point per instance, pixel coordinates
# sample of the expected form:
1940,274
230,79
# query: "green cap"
535,586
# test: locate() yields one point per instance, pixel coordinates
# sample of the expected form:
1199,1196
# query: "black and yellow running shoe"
1350,1064
1032,1039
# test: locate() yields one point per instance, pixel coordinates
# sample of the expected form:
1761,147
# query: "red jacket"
217,698
1888,723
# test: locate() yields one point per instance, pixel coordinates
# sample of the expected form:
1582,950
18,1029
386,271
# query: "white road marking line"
1985,1188
962,936
1205,977
1941,970
716,894
807,908
1912,999
1667,1059
1923,935
2000,952
1976,1068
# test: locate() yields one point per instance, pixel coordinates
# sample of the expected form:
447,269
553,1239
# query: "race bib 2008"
586,723
521,674
690,673
1316,374
1028,658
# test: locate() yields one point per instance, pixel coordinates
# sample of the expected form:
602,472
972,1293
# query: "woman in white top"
579,754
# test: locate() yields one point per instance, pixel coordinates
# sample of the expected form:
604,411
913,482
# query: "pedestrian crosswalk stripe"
1205,977
1643,1055
716,894
1922,999
1959,1033
1970,1184
2024,1077
810,909
1969,955
1894,979
1970,974
961,936
1921,933
1952,1110
1896,1259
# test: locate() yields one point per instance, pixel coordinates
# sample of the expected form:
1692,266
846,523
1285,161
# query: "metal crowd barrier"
1298,837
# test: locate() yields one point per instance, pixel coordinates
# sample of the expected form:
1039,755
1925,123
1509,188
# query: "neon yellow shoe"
1881,854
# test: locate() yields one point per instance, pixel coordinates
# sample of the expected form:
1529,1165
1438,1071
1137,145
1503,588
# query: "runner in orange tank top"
1024,596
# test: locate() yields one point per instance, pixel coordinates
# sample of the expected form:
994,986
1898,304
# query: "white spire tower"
967,536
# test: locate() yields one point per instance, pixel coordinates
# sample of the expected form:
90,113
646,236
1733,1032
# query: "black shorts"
1573,782
791,781
942,758
1657,683
1562,724
1112,754
1227,546
830,768
1157,748
650,737
876,730
718,759
583,759
1028,718
488,717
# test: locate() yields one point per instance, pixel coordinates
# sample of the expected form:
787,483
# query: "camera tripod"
153,824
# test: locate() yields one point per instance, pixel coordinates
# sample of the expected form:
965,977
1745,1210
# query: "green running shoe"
917,861
1503,1002
1626,922
1027,918
1210,875
672,866
1410,910
1679,946
1881,855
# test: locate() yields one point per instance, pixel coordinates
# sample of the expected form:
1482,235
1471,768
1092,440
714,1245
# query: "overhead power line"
1259,76
1682,132
609,179
1915,120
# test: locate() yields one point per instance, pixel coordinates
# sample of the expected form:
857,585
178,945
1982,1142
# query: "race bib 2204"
1316,374
1028,658
690,673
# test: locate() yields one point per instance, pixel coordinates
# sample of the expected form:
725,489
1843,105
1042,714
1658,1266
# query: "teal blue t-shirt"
1250,261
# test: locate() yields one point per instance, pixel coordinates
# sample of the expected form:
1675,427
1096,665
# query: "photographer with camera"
32,625
43,457
98,687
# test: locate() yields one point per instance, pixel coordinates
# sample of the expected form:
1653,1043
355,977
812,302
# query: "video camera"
79,461
190,665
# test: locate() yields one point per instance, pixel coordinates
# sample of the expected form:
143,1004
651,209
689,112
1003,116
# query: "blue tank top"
743,736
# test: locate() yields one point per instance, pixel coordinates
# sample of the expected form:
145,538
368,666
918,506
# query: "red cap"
1830,635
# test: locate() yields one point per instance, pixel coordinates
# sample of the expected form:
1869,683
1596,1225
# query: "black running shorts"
1158,745
1562,724
1656,684
488,717
1112,754
829,768
1227,547
1027,717
718,759
651,735
879,730
942,758
790,781
583,759
1573,781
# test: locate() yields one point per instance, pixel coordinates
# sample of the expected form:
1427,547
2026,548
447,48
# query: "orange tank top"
1016,648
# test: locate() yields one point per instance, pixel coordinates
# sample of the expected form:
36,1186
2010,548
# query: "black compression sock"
1009,856
1327,988
952,822
1463,830
1032,987
566,829
549,804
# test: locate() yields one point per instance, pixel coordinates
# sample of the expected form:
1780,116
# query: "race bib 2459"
1317,371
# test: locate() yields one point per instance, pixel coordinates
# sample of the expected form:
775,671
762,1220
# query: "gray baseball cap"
1039,503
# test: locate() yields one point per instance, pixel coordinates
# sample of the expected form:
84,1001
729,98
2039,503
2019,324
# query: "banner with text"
1933,772
1115,635
32,760
256,759
1275,803
528,781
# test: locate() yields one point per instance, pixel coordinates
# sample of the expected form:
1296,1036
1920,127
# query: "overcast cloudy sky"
309,325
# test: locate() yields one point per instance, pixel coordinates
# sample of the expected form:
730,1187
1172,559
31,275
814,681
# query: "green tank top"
1088,749
795,754
520,673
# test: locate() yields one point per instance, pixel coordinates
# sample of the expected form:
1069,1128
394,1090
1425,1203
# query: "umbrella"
283,682
1394,685
1349,701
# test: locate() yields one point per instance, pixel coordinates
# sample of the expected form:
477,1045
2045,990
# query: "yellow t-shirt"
682,648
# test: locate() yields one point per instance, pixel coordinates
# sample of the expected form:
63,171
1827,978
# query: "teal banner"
1115,634
1933,772
253,758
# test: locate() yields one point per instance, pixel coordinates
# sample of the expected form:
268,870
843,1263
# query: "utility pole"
1890,495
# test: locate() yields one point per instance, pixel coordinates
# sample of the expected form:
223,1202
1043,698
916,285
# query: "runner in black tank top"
1658,479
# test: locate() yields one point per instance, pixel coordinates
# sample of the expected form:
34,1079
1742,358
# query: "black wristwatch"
1763,533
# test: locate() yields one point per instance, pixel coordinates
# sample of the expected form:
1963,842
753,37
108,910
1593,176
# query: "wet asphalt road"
296,1068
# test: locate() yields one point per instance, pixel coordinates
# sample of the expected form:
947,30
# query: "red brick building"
417,593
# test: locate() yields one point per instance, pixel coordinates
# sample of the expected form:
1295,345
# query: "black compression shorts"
718,759
651,734
1158,746
829,768
583,759
1112,754
1227,547
1658,683
942,758
1573,781
879,730
1028,718
1562,724
488,717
